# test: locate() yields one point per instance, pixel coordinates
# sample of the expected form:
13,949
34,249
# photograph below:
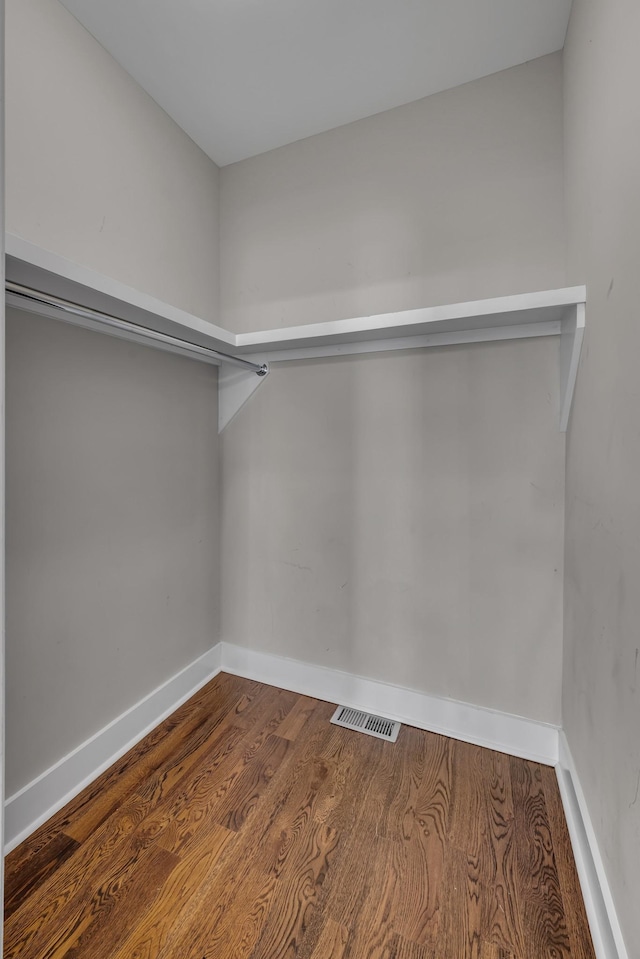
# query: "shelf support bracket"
571,336
235,387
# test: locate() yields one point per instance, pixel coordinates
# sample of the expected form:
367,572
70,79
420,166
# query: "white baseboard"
473,724
601,912
38,800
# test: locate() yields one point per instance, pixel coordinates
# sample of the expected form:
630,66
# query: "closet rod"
104,319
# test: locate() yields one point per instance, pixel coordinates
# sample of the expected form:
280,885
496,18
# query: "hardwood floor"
247,827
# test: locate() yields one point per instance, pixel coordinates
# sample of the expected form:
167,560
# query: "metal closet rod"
105,319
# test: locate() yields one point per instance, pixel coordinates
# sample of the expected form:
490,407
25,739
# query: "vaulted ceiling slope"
245,76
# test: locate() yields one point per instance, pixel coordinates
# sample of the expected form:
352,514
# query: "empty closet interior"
324,418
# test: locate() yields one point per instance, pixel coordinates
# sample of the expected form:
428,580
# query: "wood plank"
104,795
235,807
293,802
419,898
241,884
245,892
189,806
177,903
22,877
404,949
482,829
150,772
254,829
466,899
301,882
371,929
117,777
293,724
463,906
575,913
346,755
227,910
502,924
185,810
468,825
400,769
74,916
174,820
540,900
94,932
140,824
332,943
42,911
412,762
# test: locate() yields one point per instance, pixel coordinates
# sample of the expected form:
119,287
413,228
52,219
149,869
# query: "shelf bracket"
141,317
571,336
235,387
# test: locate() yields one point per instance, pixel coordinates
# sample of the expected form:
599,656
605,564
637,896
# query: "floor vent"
366,723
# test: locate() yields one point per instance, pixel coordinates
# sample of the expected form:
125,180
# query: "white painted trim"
42,269
38,800
542,313
51,790
601,912
536,307
488,334
570,347
235,387
35,803
40,309
49,272
473,724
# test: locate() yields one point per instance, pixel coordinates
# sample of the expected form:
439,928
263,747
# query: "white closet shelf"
546,313
31,266
525,314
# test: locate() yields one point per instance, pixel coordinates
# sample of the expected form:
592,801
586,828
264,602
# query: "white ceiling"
245,76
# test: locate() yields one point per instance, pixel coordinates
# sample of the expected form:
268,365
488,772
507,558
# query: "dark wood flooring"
247,826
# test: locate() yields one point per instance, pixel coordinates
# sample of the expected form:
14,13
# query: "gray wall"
113,488
601,691
335,465
112,530
454,197
401,515
97,172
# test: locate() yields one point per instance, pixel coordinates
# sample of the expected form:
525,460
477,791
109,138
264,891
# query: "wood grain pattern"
177,902
543,915
332,943
24,875
420,898
247,827
575,914
502,920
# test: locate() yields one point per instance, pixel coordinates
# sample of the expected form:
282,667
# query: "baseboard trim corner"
44,796
40,799
504,732
601,912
